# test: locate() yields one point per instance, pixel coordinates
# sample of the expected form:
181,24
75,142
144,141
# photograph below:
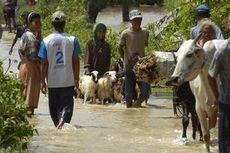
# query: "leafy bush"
169,38
179,29
15,129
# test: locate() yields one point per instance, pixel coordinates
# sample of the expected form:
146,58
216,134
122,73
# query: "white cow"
192,65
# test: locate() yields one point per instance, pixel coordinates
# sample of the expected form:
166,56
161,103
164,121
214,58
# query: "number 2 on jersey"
59,57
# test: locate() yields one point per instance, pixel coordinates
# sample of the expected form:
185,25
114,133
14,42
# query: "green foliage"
219,15
15,129
113,39
77,25
179,29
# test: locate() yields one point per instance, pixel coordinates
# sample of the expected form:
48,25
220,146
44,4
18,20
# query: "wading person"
60,68
20,30
10,7
98,52
132,44
29,71
203,15
221,66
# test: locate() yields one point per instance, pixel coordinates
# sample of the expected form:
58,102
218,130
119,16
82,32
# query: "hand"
76,83
10,52
44,88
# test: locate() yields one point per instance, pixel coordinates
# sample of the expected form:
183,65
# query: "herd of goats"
109,88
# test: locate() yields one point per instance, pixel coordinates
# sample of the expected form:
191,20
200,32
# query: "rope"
9,65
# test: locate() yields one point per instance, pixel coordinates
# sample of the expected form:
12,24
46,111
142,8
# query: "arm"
44,73
44,66
12,46
76,70
76,62
121,46
121,50
213,73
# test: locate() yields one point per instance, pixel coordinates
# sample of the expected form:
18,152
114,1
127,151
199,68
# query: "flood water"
112,16
110,128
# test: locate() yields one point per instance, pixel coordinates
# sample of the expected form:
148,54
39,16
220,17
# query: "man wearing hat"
202,15
60,68
131,46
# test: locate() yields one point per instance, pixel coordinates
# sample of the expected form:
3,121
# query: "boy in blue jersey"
60,69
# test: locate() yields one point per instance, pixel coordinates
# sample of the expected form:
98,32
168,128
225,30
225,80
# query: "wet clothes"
59,49
61,104
29,70
134,44
130,89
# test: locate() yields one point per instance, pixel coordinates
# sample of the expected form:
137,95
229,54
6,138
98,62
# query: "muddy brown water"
112,16
109,128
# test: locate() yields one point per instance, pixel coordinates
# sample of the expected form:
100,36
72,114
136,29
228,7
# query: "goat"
118,94
104,91
88,85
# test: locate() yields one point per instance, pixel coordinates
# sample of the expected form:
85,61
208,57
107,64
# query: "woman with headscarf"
97,52
29,70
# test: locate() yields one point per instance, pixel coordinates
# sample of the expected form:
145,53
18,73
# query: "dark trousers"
224,128
130,92
61,104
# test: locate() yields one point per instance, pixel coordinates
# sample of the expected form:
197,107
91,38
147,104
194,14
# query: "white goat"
88,86
104,91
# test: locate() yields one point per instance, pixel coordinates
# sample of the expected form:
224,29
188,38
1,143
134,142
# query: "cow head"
190,60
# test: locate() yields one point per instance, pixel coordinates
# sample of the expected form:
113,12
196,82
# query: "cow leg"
199,128
204,126
195,122
196,125
185,120
212,116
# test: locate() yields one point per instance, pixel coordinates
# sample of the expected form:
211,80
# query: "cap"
58,16
202,8
135,14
